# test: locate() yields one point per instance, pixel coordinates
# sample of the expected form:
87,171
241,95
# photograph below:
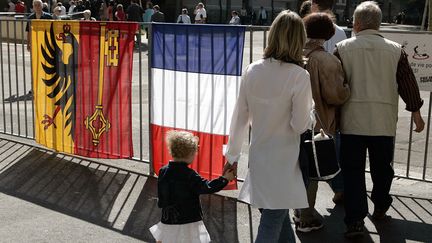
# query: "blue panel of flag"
210,49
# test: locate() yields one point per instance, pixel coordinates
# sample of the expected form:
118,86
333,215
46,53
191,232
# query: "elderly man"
37,14
378,72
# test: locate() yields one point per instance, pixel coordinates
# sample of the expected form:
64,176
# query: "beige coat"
329,88
370,61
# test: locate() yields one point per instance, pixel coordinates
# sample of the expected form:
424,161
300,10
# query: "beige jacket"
370,63
329,88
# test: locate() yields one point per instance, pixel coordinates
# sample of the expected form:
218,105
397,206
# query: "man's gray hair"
368,15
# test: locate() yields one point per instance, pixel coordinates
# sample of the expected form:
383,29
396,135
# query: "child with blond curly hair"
179,188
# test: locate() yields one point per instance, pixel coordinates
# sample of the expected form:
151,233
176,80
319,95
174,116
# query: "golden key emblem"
97,123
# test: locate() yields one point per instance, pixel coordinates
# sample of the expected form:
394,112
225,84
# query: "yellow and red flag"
82,73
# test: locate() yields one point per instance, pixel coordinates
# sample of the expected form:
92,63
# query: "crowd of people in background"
138,10
16,6
105,10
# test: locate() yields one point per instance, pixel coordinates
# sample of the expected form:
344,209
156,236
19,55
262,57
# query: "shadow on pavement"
15,98
83,189
333,230
219,215
402,228
88,190
396,230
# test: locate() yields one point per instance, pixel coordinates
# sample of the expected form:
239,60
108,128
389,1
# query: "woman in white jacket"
275,99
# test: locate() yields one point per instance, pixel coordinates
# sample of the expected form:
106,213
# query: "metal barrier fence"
17,115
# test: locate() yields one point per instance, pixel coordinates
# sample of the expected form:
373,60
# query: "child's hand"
229,166
229,174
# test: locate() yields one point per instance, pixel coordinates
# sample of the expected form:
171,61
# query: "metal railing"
15,15
17,114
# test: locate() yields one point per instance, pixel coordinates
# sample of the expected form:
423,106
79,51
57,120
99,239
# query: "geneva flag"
196,72
82,74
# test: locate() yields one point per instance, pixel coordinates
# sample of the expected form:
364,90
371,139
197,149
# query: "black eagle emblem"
62,76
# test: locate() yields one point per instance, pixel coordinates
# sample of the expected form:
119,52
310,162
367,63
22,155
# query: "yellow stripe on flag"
50,127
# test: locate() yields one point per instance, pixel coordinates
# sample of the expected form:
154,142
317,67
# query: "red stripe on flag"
209,161
116,142
87,88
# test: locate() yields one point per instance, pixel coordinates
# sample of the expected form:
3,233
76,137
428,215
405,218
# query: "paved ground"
48,197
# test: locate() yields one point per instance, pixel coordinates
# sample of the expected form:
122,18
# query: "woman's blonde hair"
181,144
287,37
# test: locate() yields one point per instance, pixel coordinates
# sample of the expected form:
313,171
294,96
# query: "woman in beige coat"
329,91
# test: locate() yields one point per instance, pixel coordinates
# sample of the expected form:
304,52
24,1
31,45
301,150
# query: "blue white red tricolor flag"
196,73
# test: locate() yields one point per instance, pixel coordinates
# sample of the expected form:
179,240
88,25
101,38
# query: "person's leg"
337,185
287,234
309,221
307,214
303,158
138,37
304,167
353,160
337,182
381,156
271,225
311,193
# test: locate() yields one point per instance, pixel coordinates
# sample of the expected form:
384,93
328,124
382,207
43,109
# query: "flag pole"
150,101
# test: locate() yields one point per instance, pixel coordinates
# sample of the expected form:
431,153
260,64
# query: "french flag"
196,73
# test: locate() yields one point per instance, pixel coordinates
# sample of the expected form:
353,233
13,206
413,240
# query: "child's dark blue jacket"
179,188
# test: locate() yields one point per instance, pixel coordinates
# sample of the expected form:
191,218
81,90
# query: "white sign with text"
418,46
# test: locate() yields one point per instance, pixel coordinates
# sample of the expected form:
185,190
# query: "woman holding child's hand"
275,100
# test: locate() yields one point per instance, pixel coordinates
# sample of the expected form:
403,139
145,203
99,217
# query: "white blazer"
275,98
